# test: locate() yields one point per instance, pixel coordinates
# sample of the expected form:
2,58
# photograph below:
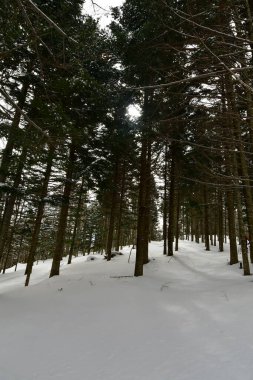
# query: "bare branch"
25,116
185,17
227,68
97,5
191,79
50,21
32,27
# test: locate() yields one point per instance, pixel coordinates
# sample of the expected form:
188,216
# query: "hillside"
189,317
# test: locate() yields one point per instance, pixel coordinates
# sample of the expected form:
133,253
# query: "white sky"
104,15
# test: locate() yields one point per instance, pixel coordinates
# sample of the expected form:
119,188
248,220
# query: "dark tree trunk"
18,213
206,218
77,219
9,247
177,222
147,205
10,202
61,231
140,243
114,202
165,201
236,130
122,194
39,216
144,191
231,227
220,221
172,201
242,236
7,152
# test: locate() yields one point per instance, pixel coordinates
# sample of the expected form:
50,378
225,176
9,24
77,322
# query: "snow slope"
188,318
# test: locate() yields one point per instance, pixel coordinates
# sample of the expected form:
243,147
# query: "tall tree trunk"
144,183
11,234
177,222
231,215
242,161
172,200
122,194
114,203
61,230
206,219
7,152
231,227
140,243
220,221
39,216
147,205
242,232
77,219
228,158
165,201
10,202
8,250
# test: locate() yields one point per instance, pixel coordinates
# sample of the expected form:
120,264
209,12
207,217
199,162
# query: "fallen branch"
121,276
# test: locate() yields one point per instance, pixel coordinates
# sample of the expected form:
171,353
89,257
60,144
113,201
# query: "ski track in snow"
188,318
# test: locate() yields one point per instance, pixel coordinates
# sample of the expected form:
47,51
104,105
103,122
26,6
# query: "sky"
103,14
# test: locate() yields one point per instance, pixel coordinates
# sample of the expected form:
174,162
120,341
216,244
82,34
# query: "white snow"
189,318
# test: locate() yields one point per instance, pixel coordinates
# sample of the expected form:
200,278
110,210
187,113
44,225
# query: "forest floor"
189,318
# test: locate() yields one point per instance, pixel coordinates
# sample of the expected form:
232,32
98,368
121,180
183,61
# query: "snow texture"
188,318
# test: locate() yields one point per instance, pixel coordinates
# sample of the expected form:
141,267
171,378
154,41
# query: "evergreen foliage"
78,175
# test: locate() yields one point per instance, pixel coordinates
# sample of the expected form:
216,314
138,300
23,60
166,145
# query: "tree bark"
10,202
77,218
39,216
177,222
7,152
206,219
141,211
220,221
147,205
144,189
165,201
61,230
242,159
231,227
114,202
172,200
242,232
122,194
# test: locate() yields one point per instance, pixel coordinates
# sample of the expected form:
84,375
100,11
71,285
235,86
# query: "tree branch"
191,79
50,21
186,18
25,116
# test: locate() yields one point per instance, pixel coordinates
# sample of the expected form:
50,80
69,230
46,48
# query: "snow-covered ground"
189,318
